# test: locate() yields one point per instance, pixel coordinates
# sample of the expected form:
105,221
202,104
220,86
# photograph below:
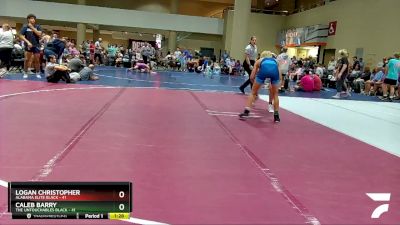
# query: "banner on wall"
291,37
304,36
158,40
332,28
316,35
138,44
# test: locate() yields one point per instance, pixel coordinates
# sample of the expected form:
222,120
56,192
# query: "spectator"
317,83
84,48
207,67
55,72
182,61
355,74
121,49
237,68
225,68
398,89
30,34
306,83
73,51
359,83
98,50
217,68
331,66
372,86
112,54
78,67
294,60
119,59
392,71
169,56
191,65
382,63
320,70
76,64
355,62
362,65
87,73
55,47
297,73
284,64
225,55
92,49
17,44
341,75
6,47
205,63
177,53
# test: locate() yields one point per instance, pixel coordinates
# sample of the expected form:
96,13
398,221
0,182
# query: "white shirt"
251,51
177,54
98,48
50,70
138,56
319,71
169,57
6,39
228,61
284,62
332,65
18,46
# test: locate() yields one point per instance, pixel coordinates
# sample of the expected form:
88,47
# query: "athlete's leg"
250,99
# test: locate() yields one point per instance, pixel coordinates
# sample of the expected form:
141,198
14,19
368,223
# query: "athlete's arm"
37,32
386,68
255,70
344,67
22,37
247,58
61,68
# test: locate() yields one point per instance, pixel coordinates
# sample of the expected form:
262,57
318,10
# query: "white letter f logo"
379,197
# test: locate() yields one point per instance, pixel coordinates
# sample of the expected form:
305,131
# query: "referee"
250,58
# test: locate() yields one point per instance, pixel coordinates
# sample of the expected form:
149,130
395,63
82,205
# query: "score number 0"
121,194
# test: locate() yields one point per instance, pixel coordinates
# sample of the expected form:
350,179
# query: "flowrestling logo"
379,197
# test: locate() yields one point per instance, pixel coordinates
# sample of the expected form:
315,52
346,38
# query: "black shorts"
390,81
34,50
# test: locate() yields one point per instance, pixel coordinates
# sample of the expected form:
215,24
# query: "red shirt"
91,47
317,83
307,83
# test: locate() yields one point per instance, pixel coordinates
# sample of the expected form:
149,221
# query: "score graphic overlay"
70,200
